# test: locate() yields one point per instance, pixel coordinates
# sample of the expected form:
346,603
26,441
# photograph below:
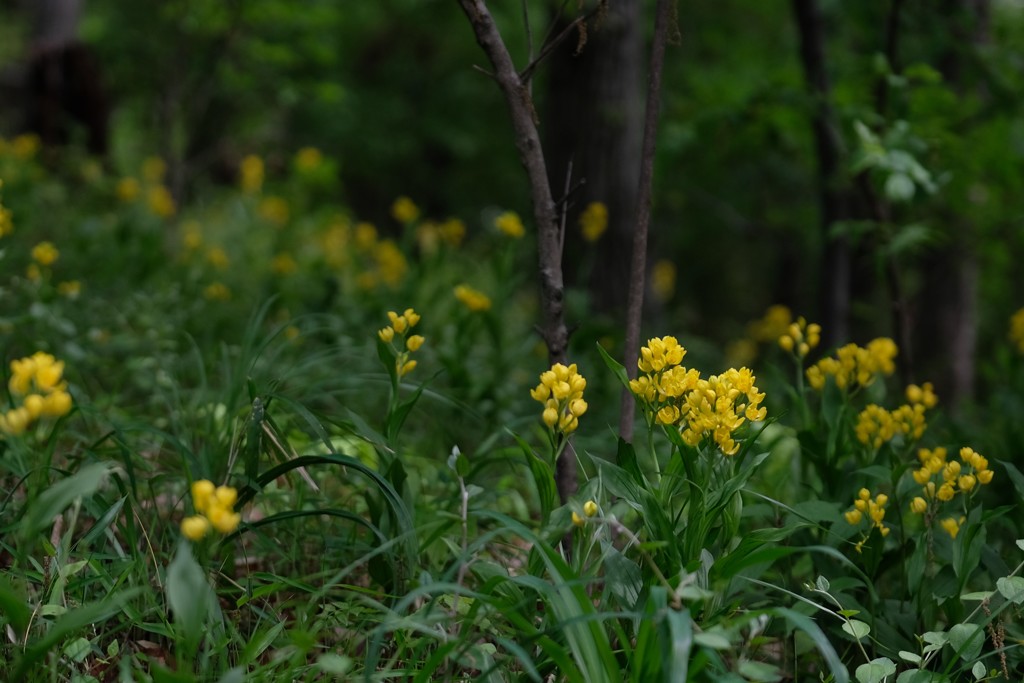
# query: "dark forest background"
861,163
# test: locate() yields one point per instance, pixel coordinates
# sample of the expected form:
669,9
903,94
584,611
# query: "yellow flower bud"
57,404
34,405
918,505
577,520
540,393
950,526
881,499
408,367
786,342
577,407
550,417
922,475
386,335
411,317
590,508
223,520
202,494
414,342
226,496
864,494
946,492
985,476
967,482
853,517
195,527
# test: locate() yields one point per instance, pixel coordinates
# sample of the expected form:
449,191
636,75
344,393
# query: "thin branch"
549,46
638,267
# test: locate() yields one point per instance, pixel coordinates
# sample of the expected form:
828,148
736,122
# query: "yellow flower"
127,190
275,210
800,337
577,520
192,237
218,258
561,392
25,146
951,526
45,254
414,342
308,159
594,221
217,291
251,174
590,508
386,334
404,210
918,505
854,365
472,299
510,224
772,326
70,288
660,353
214,505
283,264
452,231
663,279
160,202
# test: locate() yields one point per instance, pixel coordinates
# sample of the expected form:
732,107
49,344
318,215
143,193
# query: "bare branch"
549,46
638,268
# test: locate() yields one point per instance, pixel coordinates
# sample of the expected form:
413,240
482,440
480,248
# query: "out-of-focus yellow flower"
855,366
922,395
663,279
590,508
561,393
308,159
215,508
70,288
510,224
37,382
153,170
160,202
25,146
391,263
45,254
952,526
404,210
275,210
218,258
773,325
594,221
251,174
6,224
127,190
192,235
217,291
452,231
366,236
33,273
283,264
1017,330
472,299
918,505
577,520
335,242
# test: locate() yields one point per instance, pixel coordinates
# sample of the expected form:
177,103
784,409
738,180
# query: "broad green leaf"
759,671
78,649
967,640
336,665
61,495
1012,588
857,629
977,595
822,584
921,676
713,640
875,671
910,656
189,594
1020,543
979,671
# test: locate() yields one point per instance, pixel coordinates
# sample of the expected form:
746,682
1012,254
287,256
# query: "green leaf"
978,595
615,366
713,640
979,670
758,671
857,629
822,584
814,632
57,498
189,594
543,478
875,671
1012,588
336,665
899,187
912,657
1020,543
921,676
14,605
967,640
78,649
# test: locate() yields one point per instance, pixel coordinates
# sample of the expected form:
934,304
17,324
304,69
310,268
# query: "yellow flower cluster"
510,224
873,509
855,365
589,510
22,147
472,299
1016,328
283,263
941,479
429,233
716,406
45,254
663,279
401,326
772,325
308,159
160,201
594,221
876,425
215,507
800,337
37,382
404,210
561,392
251,174
217,291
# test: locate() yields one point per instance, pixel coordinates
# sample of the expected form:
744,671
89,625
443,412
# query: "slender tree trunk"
834,290
638,267
545,216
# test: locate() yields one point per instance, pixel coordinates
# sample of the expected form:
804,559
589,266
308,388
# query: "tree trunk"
594,121
834,312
